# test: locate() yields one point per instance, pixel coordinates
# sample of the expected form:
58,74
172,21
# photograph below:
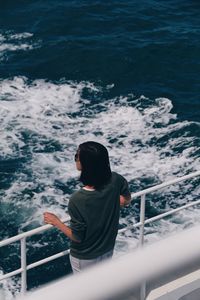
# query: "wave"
42,123
9,287
10,42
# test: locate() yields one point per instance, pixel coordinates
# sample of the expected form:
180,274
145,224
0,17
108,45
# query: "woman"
94,209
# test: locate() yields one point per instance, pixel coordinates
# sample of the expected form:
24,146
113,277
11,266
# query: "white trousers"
80,264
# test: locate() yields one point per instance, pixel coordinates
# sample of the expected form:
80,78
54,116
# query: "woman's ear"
78,165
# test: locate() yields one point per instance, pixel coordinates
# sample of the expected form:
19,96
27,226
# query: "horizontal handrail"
13,273
47,259
171,212
160,216
120,277
28,233
23,236
65,252
134,195
35,264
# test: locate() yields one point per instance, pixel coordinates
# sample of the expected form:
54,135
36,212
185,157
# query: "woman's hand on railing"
52,219
125,200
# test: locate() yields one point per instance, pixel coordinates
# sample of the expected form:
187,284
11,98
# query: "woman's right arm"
125,200
52,219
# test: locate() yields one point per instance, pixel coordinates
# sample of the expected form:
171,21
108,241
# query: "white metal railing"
23,236
119,278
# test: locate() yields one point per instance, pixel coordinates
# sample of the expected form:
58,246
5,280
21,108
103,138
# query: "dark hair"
95,164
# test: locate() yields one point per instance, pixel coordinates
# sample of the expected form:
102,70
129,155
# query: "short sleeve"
124,189
77,223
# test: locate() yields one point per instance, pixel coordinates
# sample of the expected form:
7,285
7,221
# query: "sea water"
123,73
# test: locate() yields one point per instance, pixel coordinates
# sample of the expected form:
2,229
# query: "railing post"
142,219
23,266
141,240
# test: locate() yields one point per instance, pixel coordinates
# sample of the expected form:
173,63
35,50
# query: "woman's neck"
89,188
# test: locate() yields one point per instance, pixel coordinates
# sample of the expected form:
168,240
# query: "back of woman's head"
95,166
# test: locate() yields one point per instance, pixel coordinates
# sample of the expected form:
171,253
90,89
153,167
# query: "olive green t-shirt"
95,218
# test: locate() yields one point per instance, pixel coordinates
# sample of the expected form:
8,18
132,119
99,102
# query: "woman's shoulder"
116,176
118,179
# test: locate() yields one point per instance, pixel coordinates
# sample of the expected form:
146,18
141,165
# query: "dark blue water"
125,73
145,47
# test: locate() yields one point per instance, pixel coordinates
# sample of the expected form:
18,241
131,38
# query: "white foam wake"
47,121
42,123
9,287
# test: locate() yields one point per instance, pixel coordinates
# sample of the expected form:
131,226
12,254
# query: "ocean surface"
124,73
